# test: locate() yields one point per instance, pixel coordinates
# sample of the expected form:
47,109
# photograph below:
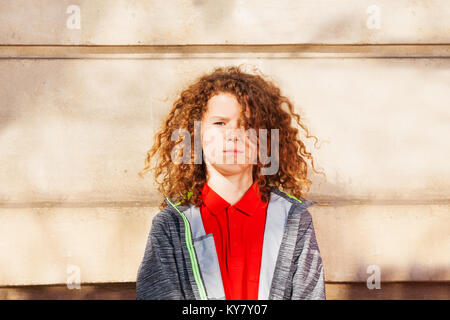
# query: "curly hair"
265,101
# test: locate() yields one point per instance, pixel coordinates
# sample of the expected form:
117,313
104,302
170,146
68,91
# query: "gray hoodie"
180,261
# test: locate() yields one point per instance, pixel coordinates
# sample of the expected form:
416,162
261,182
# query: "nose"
234,134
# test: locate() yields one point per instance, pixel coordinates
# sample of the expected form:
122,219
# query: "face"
226,145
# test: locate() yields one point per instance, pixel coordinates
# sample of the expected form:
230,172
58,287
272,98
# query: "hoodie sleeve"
308,279
157,277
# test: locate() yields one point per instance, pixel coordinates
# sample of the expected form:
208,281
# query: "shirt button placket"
227,210
233,239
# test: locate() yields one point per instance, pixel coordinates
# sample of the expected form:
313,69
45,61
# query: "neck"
230,187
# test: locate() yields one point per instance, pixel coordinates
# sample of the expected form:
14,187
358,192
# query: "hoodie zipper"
192,256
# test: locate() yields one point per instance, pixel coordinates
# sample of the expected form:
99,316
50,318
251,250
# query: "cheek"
251,145
212,139
253,153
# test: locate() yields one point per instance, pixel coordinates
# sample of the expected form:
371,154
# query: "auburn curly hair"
265,101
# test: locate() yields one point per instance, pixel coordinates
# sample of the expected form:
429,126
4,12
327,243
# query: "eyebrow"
219,118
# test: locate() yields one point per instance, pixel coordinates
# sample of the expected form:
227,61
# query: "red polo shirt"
238,232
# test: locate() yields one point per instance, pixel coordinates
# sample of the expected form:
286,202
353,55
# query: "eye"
219,122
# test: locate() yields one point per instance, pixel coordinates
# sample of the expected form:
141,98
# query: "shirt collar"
248,204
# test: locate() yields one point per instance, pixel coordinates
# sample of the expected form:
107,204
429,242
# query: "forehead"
223,105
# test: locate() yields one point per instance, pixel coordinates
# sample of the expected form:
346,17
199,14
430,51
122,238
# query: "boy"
225,229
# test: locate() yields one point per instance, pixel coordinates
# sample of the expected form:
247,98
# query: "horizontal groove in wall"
292,51
127,204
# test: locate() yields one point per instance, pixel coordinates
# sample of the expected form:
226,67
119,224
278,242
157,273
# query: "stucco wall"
76,119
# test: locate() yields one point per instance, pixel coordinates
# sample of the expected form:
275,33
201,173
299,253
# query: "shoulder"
164,221
170,217
298,206
300,203
164,215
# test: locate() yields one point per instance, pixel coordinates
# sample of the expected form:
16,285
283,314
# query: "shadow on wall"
105,291
334,291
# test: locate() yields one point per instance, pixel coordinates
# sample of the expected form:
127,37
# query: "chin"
227,169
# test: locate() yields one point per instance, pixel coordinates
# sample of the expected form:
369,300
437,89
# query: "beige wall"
160,22
74,131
